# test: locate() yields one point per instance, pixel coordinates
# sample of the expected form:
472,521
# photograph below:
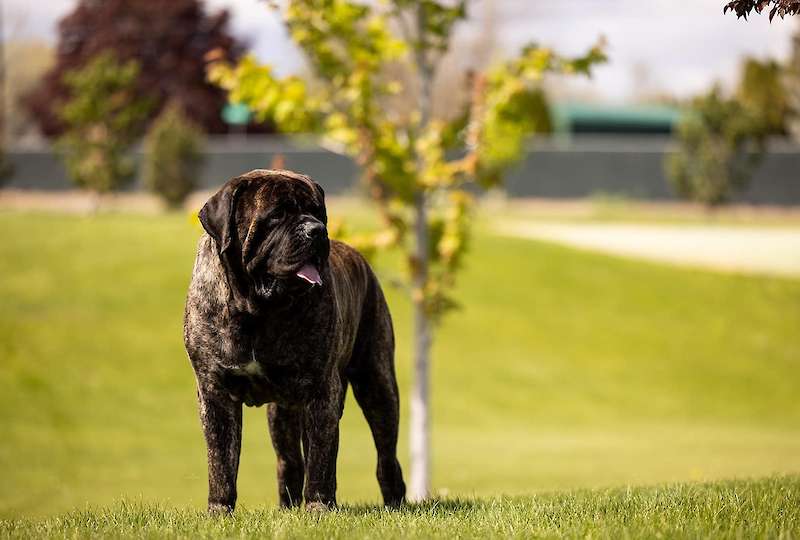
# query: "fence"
570,167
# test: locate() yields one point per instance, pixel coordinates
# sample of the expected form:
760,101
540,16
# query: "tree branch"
743,8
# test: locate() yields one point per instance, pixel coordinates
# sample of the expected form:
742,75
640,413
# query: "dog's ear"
319,190
218,215
321,194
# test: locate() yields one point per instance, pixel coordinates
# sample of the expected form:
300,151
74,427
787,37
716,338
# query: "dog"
279,314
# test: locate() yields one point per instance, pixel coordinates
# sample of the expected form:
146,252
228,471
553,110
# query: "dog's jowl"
278,314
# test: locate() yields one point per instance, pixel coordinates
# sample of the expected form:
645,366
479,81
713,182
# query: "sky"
673,46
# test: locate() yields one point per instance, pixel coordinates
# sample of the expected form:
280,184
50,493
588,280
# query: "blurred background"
630,304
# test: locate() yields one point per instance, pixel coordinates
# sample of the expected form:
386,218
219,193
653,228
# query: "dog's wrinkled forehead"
283,193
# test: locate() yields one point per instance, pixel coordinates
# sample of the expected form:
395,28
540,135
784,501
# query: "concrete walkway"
765,250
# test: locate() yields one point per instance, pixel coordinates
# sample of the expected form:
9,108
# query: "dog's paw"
394,504
219,509
318,507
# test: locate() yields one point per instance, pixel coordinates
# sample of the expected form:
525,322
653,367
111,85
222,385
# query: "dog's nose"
314,229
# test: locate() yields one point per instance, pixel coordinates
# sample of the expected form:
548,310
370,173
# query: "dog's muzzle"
317,234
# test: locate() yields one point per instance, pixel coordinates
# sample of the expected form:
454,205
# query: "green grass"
565,370
609,208
757,509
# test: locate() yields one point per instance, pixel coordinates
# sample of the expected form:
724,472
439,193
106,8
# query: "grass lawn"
767,508
614,209
565,370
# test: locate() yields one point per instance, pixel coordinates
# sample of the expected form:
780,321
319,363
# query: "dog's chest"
277,363
258,382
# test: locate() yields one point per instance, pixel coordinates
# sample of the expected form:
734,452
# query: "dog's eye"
275,218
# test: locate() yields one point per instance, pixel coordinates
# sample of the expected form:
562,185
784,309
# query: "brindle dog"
278,314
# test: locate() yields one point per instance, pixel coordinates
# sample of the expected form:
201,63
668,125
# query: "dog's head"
271,235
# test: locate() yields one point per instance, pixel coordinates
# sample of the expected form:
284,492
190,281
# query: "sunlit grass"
603,208
564,370
755,509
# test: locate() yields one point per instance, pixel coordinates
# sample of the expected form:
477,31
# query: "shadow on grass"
439,506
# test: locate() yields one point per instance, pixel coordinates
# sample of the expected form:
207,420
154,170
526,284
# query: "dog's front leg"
221,417
321,434
286,430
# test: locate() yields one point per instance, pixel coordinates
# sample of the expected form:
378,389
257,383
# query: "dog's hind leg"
285,429
375,388
378,398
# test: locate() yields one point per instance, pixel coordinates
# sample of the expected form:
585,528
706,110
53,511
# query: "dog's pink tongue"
310,273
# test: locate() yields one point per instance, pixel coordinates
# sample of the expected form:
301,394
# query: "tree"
761,91
719,145
743,8
27,61
168,40
792,87
102,119
407,156
173,148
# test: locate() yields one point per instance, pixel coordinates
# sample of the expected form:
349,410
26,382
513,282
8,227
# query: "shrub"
719,145
173,148
103,118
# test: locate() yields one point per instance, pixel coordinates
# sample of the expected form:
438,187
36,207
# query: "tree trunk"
420,393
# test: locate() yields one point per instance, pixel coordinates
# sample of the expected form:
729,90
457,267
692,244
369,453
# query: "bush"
173,149
719,145
103,118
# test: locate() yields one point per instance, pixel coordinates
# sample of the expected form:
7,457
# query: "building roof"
599,118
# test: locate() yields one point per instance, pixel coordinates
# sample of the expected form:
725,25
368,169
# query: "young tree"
168,40
743,8
103,118
406,155
761,91
173,154
719,145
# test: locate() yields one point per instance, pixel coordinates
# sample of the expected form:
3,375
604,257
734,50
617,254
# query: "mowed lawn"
565,369
768,508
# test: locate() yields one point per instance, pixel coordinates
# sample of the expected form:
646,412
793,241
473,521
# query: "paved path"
768,250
